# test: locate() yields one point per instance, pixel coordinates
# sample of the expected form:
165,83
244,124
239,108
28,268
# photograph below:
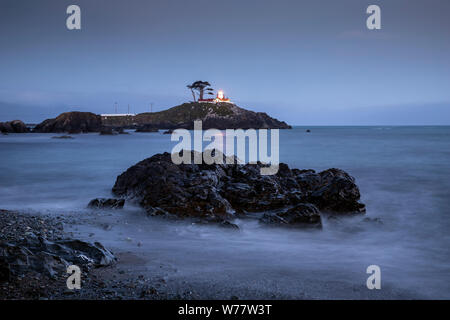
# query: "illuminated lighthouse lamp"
220,98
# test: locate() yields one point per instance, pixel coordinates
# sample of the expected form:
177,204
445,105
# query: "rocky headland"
213,115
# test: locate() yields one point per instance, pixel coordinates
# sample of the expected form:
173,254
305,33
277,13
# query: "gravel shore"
108,282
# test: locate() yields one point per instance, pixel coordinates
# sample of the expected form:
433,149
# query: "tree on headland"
201,87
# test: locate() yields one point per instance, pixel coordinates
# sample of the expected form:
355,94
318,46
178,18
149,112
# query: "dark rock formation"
336,192
71,122
38,246
100,203
216,221
15,126
220,191
107,131
302,215
94,253
36,254
156,211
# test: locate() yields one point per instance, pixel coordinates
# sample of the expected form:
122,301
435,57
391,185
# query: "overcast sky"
306,62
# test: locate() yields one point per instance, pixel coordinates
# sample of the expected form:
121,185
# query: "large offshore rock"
71,122
15,126
221,190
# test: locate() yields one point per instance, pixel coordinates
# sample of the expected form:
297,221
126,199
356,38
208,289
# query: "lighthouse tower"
220,98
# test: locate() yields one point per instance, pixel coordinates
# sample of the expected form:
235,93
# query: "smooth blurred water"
404,178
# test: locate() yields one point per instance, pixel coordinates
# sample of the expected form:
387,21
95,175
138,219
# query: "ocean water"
404,178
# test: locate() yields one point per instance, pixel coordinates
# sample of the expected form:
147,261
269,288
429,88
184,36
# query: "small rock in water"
302,215
100,203
107,227
107,131
229,225
156,211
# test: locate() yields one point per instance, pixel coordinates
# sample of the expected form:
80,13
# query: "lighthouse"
220,98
